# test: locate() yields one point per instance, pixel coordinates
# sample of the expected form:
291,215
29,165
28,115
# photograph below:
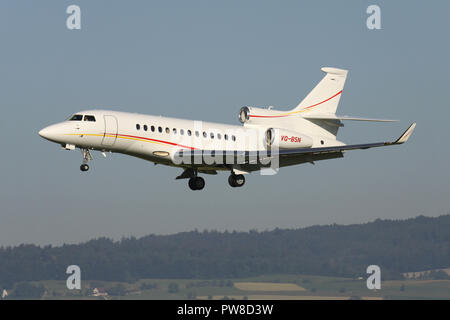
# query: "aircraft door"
110,134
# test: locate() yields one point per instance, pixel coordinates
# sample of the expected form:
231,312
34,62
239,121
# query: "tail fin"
324,98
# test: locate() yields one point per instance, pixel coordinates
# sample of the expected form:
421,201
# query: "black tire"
84,167
231,181
192,184
199,183
196,183
236,180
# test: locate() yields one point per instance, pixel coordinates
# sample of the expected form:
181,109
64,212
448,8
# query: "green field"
263,287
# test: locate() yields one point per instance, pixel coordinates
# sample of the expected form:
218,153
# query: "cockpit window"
76,117
89,118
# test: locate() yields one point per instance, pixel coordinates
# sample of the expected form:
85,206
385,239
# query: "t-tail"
315,114
321,104
324,98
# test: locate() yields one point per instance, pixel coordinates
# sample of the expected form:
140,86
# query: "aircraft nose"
43,133
49,133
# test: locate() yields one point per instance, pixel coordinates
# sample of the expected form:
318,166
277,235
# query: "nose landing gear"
86,158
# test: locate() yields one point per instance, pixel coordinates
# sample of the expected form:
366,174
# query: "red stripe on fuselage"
149,139
286,115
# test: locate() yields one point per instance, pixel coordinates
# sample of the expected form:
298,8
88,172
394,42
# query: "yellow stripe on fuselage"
115,136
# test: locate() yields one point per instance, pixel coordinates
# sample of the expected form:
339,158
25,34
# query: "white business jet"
267,140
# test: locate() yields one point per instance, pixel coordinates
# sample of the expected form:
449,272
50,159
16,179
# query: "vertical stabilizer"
324,98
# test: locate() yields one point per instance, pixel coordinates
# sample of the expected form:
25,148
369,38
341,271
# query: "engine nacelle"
286,139
252,115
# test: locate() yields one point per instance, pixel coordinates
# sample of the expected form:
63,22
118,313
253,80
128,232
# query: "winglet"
405,136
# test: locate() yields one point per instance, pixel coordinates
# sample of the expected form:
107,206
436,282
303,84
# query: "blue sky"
205,60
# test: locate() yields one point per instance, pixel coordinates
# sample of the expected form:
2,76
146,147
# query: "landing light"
161,153
68,146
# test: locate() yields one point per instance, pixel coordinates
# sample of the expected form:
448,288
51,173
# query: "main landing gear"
236,180
86,158
196,183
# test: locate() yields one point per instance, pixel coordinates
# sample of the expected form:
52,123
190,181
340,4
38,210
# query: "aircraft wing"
303,154
403,138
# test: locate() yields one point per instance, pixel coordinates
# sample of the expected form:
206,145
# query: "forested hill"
396,246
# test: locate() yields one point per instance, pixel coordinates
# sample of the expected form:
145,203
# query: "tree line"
397,246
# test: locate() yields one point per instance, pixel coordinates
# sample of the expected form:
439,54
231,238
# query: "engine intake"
286,139
252,115
244,114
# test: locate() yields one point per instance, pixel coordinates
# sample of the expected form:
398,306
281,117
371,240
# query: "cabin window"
174,130
138,126
76,117
152,128
233,138
181,131
219,136
189,132
204,134
89,118
145,127
159,129
197,133
167,130
225,136
212,135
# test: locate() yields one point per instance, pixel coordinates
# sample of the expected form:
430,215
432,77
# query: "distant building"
4,294
99,292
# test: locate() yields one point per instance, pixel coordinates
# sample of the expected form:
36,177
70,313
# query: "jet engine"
286,139
252,115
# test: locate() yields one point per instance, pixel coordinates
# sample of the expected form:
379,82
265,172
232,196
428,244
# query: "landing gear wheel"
236,180
231,181
192,183
86,158
196,183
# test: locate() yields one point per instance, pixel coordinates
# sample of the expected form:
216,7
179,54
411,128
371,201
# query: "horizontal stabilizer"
335,117
336,71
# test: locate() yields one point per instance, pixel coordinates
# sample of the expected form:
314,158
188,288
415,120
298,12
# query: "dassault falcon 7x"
267,140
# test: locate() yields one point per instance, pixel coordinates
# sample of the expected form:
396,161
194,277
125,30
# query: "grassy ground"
263,287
